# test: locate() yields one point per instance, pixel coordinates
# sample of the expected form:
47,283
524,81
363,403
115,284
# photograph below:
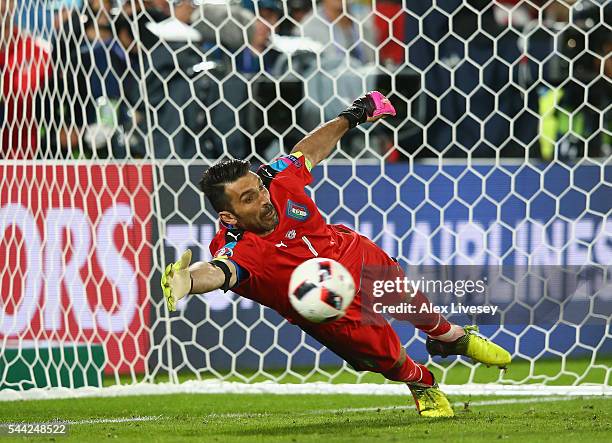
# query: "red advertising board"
75,257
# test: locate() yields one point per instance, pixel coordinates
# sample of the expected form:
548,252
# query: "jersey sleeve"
244,257
289,170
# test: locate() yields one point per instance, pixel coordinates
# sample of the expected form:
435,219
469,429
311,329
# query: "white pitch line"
91,421
505,401
459,404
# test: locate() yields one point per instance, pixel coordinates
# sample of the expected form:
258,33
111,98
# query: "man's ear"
228,218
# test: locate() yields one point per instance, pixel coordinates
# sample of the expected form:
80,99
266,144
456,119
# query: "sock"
454,333
410,372
430,323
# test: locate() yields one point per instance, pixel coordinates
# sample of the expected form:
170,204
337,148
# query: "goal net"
497,164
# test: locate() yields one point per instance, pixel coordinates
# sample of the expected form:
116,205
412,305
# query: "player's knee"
380,365
396,372
385,367
401,359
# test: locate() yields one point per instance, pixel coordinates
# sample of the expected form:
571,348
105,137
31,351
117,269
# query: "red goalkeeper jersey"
301,234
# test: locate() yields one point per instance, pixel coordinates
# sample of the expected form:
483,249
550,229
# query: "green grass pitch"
338,418
317,418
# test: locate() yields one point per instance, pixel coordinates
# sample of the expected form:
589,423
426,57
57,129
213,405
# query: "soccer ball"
321,289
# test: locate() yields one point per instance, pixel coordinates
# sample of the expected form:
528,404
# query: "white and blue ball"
321,290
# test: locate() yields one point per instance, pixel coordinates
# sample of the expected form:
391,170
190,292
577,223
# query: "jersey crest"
297,211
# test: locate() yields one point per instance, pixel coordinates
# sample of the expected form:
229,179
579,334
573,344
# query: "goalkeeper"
269,226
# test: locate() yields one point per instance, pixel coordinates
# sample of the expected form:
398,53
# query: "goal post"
498,162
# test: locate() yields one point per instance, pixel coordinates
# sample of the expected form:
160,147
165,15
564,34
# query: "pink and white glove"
369,107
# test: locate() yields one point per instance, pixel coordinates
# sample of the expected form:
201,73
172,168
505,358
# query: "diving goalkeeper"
269,226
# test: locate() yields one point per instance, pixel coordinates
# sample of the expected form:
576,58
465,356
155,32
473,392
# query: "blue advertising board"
548,214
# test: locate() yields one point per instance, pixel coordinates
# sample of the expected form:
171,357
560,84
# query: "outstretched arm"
180,279
207,277
317,145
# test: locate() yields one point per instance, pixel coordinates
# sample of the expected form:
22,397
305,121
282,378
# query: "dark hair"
215,178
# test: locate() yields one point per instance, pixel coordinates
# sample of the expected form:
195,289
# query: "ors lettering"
70,229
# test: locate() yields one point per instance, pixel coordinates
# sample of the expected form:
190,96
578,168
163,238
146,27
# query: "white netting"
500,153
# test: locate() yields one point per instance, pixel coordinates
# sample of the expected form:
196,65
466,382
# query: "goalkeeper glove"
176,281
369,107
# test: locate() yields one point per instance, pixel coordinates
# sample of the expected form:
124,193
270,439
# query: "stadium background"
502,132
